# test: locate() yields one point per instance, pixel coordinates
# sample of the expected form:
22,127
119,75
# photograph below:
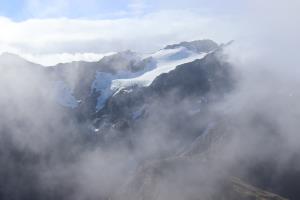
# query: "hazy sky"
20,10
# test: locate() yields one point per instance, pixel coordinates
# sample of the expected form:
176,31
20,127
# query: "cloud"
138,7
40,8
143,34
53,59
59,8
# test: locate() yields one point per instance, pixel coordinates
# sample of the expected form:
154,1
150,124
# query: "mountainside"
133,126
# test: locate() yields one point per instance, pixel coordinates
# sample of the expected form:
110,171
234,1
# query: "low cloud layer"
78,36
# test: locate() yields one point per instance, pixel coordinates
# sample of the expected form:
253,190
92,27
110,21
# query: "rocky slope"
155,121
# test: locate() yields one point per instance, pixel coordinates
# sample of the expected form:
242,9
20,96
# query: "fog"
45,153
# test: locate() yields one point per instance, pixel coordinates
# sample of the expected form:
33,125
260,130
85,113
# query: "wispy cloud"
138,7
41,8
90,9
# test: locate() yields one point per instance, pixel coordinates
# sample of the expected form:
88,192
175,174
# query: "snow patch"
108,84
167,60
103,83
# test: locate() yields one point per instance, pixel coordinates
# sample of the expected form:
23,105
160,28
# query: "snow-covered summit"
163,61
80,80
198,46
166,60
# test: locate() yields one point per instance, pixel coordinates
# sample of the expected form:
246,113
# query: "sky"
25,9
49,32
19,10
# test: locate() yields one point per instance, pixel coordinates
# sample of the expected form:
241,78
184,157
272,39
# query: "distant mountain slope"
134,127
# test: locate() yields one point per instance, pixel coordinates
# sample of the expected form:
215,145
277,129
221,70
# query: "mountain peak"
14,60
123,55
8,55
198,46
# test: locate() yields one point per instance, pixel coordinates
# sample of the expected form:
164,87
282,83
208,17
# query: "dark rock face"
236,189
175,177
196,78
269,174
200,78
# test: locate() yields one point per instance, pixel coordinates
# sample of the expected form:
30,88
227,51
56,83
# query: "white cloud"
53,59
71,36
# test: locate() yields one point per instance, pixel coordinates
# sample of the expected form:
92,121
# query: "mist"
180,149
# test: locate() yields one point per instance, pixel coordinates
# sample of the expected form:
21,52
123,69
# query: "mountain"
197,45
134,126
13,60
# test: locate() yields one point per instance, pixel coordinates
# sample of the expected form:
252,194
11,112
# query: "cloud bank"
77,36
